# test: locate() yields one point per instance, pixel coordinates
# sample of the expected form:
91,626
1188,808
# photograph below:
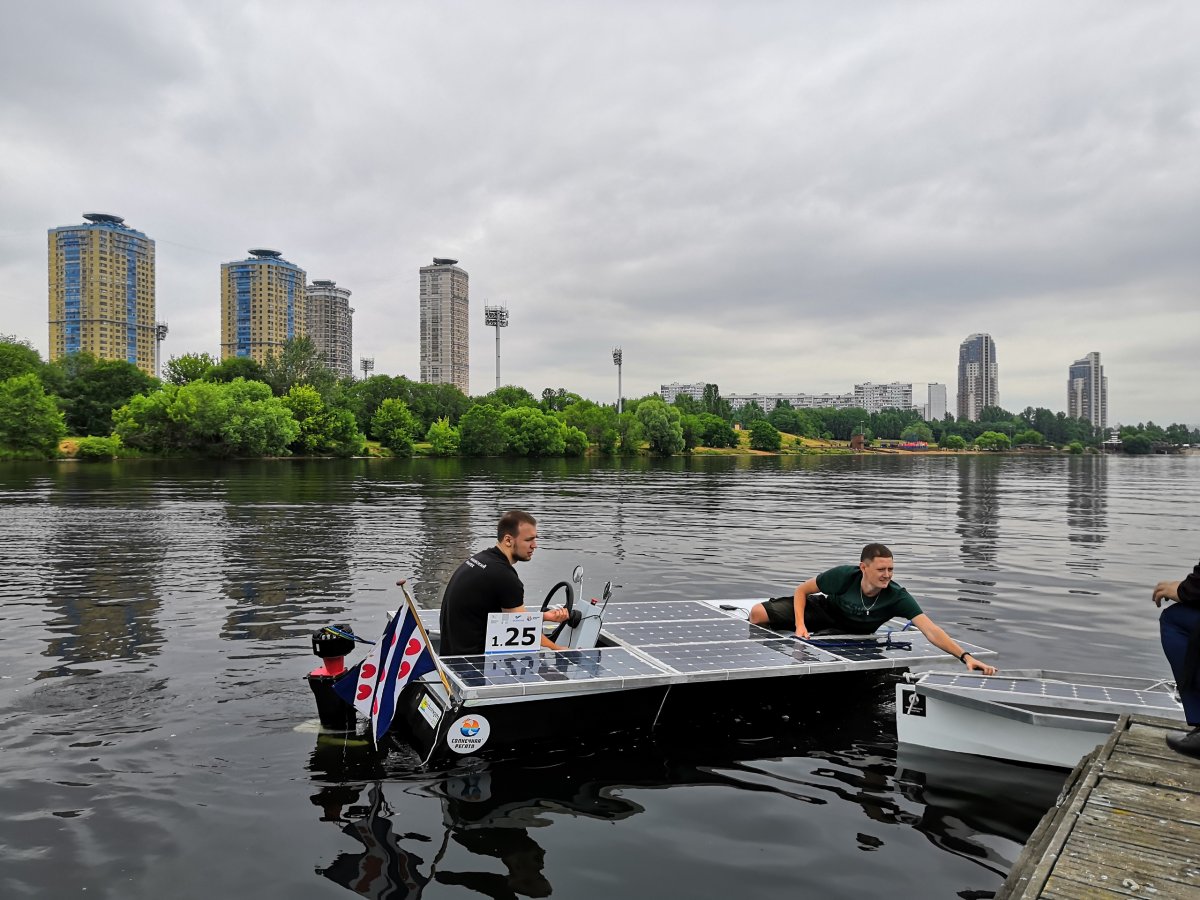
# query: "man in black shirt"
488,583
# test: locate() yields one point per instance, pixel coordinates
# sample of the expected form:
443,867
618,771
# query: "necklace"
863,600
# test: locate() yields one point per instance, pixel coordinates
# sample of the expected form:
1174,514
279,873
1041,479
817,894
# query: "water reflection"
287,538
101,582
979,510
1087,511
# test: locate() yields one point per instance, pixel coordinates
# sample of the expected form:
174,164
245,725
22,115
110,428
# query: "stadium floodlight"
496,317
160,335
618,357
367,364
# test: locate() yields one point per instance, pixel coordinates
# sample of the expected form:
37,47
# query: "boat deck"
645,644
1128,824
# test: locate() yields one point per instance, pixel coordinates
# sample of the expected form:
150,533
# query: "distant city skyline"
669,198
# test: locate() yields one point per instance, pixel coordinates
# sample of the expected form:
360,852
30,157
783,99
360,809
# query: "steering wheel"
573,618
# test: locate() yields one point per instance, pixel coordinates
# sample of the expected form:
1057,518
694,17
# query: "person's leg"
1177,625
778,614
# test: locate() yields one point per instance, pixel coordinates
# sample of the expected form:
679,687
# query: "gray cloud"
777,196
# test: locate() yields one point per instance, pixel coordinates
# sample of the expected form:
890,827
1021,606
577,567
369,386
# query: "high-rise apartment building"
1087,391
878,397
669,392
330,325
102,291
445,348
935,402
263,305
978,377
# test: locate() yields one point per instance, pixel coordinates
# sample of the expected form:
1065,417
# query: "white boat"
1032,715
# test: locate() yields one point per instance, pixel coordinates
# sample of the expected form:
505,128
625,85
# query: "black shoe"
1187,744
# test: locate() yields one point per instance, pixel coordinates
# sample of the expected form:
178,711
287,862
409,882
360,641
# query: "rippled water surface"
157,620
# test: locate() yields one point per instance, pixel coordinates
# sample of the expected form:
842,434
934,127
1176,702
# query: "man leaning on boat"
856,600
1179,627
488,583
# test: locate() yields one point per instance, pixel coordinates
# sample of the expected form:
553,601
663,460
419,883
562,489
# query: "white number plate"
512,632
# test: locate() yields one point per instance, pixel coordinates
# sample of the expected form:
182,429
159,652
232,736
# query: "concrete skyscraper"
978,378
102,291
445,349
263,305
330,325
935,402
1087,391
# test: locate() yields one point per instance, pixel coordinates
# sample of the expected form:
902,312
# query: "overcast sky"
770,196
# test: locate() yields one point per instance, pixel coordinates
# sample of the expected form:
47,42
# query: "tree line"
294,404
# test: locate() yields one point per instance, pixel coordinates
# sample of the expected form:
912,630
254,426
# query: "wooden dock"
1126,825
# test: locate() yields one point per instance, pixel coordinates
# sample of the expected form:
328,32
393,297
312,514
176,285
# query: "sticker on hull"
468,734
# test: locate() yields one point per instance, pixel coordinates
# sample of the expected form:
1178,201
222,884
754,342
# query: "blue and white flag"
374,685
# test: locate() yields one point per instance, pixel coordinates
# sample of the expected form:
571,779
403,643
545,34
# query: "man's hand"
979,665
1165,590
801,631
557,614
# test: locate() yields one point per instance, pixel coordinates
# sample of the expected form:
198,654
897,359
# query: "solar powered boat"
1033,715
648,661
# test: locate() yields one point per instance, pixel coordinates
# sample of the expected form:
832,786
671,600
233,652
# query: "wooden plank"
1128,824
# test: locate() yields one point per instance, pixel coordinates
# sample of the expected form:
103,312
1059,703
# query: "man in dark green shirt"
856,600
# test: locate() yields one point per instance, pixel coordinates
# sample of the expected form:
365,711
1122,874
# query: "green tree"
714,404
748,414
764,436
18,358
30,421
187,368
234,367
324,429
394,426
298,362
1137,445
954,442
204,418
1029,436
510,396
1075,448
481,433
630,434
993,440
716,432
661,426
917,431
92,388
575,442
442,437
598,423
532,432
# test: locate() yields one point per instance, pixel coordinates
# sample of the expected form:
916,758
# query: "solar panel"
650,634
733,656
547,671
1050,692
669,611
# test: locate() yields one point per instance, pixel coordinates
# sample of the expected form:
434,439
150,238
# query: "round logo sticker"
468,734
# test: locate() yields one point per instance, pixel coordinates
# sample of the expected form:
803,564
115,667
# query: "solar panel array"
1051,692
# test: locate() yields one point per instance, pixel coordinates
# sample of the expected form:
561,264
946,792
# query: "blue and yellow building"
263,305
101,277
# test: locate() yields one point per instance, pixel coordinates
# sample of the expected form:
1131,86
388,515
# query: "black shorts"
781,615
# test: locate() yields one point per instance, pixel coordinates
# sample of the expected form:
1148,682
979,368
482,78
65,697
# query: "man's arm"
943,641
1186,591
558,614
799,601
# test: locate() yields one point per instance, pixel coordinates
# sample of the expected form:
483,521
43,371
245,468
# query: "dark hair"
511,522
872,552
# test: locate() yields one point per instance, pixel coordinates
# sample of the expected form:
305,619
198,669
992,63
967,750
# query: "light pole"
496,317
367,364
617,362
160,335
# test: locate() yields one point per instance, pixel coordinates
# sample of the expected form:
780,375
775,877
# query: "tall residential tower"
978,378
445,351
263,305
102,291
1087,391
330,325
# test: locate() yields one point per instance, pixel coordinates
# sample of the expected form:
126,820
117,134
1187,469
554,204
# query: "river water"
156,630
